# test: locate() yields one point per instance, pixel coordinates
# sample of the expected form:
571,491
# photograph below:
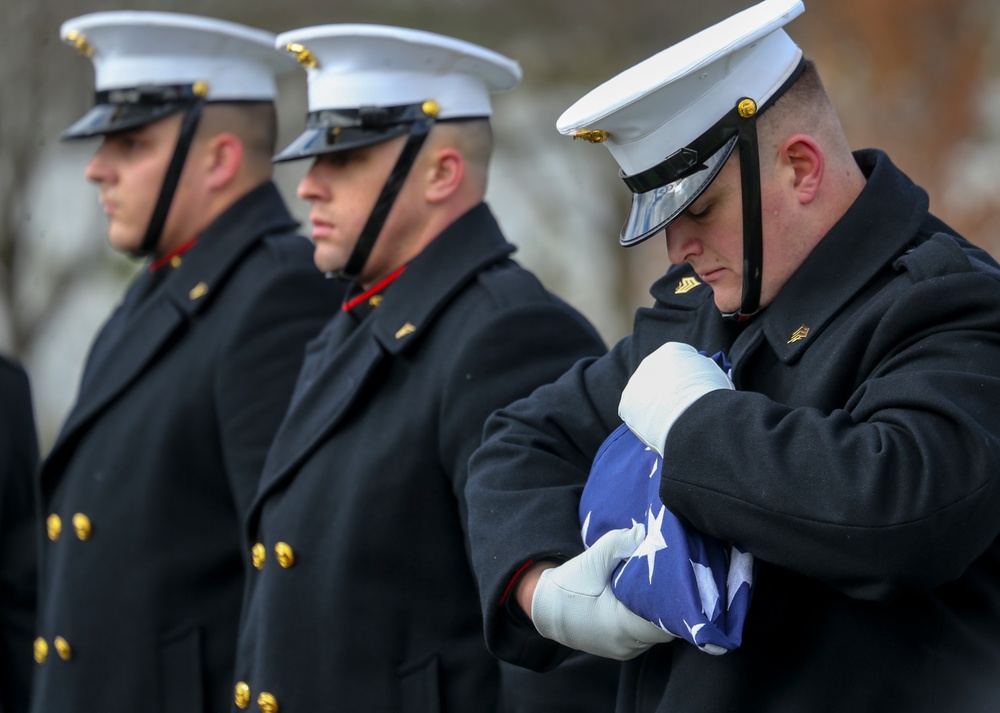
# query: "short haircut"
255,123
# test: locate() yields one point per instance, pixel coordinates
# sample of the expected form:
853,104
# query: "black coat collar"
454,257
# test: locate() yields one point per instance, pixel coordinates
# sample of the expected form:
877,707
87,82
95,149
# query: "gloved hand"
661,389
575,605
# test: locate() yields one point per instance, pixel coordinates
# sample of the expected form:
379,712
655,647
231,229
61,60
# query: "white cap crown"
137,49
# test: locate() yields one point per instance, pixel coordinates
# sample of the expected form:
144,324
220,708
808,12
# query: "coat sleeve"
524,489
287,305
899,489
18,546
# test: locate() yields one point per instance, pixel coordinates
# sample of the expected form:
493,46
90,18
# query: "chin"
728,305
325,262
123,243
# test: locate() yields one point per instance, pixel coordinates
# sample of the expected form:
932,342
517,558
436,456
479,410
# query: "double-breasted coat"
145,488
363,599
18,536
858,460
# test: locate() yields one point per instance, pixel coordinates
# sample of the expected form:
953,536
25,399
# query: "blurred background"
918,78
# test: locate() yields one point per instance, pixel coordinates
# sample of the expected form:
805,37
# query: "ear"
444,175
223,158
804,158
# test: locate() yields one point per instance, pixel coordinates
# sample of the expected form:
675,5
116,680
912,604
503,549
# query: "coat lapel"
341,360
338,367
142,328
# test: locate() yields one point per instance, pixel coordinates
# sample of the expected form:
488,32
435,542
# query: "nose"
311,188
98,169
681,242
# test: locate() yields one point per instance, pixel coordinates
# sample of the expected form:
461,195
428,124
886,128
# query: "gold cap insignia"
799,334
302,55
431,108
686,285
747,108
404,330
200,89
78,41
199,290
594,136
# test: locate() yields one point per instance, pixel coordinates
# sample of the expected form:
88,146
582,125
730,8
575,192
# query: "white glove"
575,605
665,384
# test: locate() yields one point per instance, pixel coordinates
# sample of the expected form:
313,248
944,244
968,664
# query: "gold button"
41,650
259,555
175,261
62,648
267,703
54,525
286,557
81,523
241,696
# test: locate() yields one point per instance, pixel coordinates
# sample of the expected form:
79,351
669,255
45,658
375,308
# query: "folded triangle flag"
692,585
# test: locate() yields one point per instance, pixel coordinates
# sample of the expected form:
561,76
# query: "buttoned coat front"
858,460
18,536
364,600
145,489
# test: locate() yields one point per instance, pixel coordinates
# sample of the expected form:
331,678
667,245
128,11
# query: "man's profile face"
128,169
709,235
343,188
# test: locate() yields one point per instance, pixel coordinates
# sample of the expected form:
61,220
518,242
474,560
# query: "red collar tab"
169,258
365,296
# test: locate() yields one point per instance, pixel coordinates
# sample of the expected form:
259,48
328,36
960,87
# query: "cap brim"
654,210
109,118
323,140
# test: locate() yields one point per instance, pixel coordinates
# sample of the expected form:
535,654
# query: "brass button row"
283,551
265,701
81,526
62,647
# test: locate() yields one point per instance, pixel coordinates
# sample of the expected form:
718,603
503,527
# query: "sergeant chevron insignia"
198,291
404,330
799,334
686,285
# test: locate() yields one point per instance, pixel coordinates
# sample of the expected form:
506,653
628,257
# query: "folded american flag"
689,584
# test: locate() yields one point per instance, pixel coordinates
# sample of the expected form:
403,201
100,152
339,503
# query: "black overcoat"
859,460
18,530
145,488
364,600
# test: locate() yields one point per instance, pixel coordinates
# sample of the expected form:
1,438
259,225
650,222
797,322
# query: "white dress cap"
135,49
351,66
369,83
668,102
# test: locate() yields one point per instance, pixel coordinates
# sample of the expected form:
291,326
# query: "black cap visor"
334,130
318,141
655,209
110,118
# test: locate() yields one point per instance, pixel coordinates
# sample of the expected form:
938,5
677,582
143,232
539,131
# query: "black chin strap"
154,229
753,233
363,248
